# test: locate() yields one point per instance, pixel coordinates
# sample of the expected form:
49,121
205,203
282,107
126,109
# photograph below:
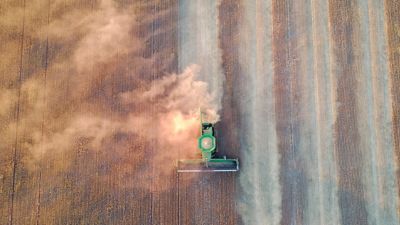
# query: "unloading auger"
208,147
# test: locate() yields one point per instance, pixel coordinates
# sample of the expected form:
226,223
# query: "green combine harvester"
208,147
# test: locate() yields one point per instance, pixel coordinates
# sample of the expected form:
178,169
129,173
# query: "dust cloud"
99,96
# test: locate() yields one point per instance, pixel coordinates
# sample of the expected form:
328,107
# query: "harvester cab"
209,162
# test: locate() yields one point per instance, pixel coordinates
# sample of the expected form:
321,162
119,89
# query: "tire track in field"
17,121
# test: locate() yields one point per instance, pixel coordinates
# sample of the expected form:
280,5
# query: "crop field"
100,98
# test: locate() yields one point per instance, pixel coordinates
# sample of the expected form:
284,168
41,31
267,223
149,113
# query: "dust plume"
100,95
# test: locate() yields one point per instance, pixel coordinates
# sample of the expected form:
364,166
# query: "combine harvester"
208,147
